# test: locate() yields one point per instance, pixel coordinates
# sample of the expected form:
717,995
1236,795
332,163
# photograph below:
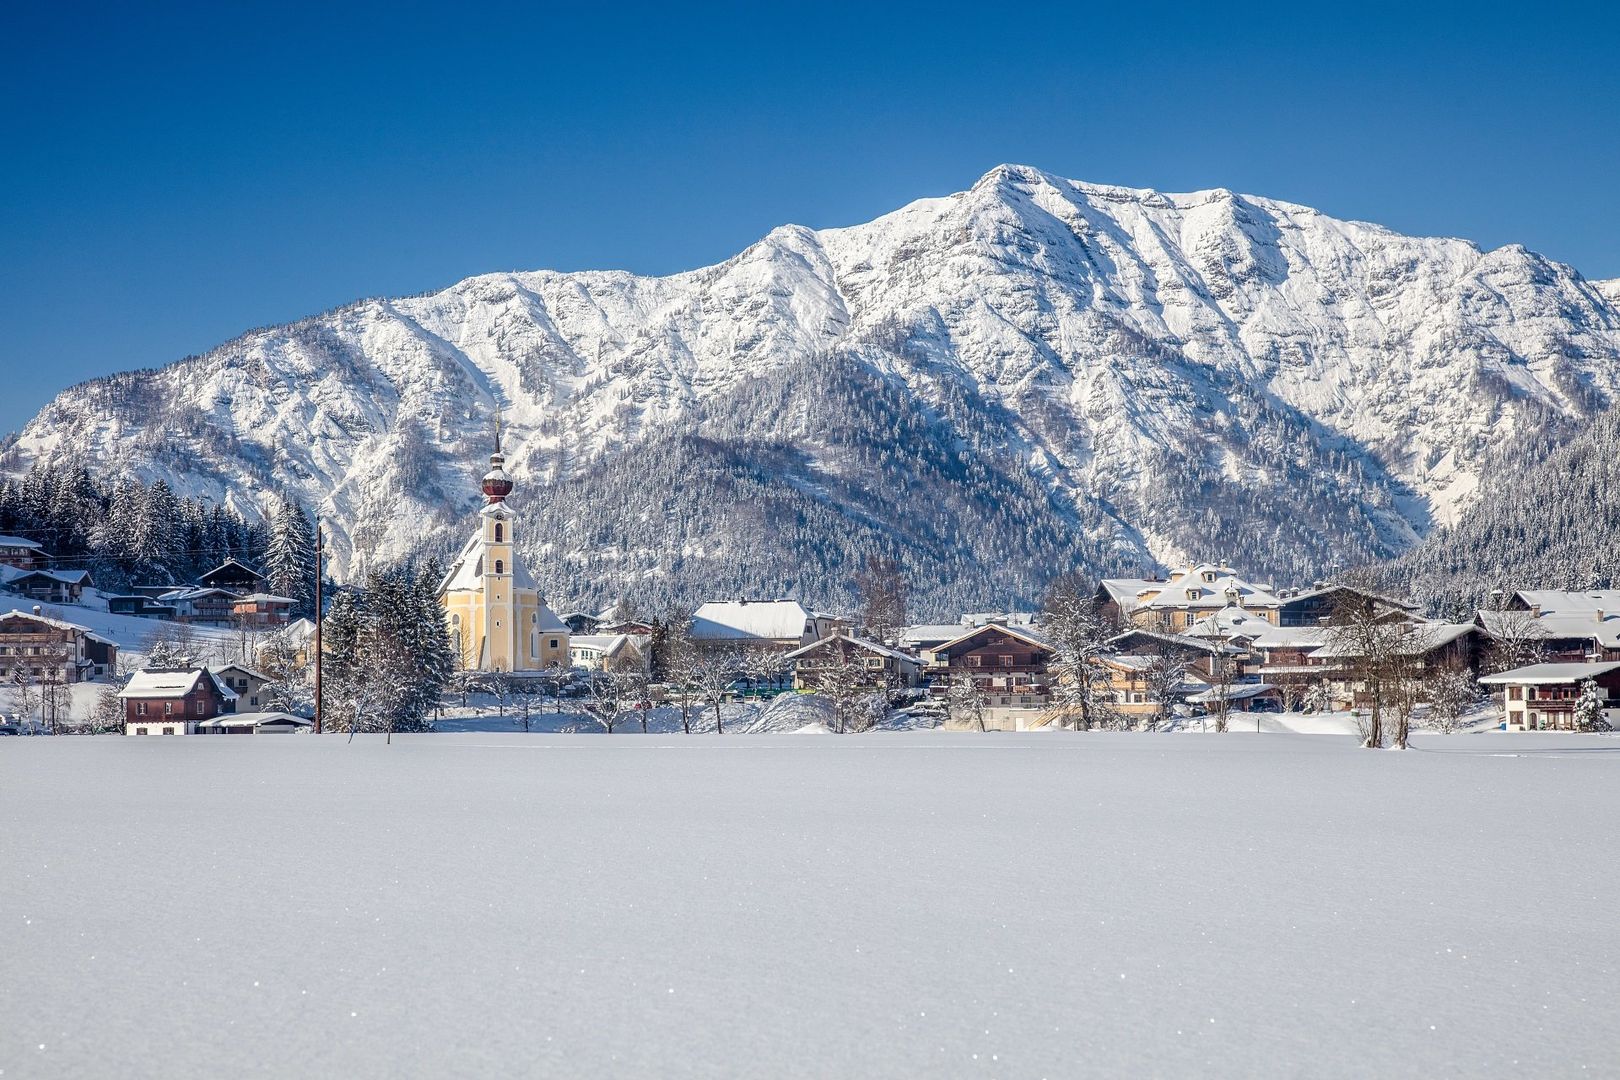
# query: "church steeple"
496,484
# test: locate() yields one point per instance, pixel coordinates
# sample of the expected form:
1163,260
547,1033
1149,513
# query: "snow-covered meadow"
916,903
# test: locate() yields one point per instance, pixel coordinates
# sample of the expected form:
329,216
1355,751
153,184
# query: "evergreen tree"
290,560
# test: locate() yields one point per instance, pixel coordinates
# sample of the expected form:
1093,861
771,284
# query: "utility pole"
320,551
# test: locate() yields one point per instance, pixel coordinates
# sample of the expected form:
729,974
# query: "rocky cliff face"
994,385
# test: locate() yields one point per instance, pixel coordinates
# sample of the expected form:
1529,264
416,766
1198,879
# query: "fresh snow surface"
920,904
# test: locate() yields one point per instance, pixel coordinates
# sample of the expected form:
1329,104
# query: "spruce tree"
290,561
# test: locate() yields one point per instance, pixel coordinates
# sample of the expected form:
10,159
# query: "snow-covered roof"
1190,590
1023,633
1421,637
265,598
197,592
59,624
1230,621
294,633
751,620
1125,591
467,571
21,541
1593,613
1291,637
229,721
171,684
608,645
1010,618
10,574
859,643
1234,692
1177,640
244,669
923,633
1537,674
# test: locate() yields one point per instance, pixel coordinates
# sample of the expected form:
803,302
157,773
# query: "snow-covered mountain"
993,386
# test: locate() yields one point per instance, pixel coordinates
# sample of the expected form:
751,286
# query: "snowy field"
886,905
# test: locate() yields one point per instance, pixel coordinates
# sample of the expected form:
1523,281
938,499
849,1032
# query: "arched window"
498,532
500,567
455,620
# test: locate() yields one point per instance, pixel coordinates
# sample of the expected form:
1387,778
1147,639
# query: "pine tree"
289,561
1589,708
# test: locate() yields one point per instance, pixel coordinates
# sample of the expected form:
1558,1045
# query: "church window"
498,532
500,567
534,644
553,643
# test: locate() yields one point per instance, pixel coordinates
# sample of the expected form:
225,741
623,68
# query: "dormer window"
1209,576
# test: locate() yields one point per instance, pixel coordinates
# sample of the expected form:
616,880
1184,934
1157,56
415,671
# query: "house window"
1006,661
199,706
168,731
974,661
140,731
498,534
140,708
554,643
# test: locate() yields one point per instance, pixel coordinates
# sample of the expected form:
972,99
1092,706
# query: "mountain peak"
1034,374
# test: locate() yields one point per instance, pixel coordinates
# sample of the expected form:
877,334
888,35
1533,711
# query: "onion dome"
496,484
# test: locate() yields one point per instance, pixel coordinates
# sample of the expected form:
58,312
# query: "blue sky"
173,176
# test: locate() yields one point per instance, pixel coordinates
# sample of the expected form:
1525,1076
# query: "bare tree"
1163,678
1222,677
1379,658
762,664
22,692
714,675
1079,632
288,688
1450,692
842,675
682,667
965,701
881,586
524,703
606,699
1518,639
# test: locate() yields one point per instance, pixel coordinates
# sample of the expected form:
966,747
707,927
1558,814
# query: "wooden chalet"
1007,663
173,702
1542,697
47,586
43,649
234,576
22,553
883,666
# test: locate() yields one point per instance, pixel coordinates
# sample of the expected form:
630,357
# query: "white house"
1542,697
608,652
776,624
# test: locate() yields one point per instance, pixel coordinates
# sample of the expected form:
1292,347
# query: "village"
1192,649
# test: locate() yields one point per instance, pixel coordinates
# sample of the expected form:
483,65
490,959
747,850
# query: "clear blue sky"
174,176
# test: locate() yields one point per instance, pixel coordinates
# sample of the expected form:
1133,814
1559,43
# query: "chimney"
1535,611
36,610
1600,615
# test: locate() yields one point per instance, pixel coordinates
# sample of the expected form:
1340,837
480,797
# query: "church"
492,604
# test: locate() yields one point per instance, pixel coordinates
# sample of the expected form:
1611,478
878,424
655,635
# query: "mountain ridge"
1158,365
